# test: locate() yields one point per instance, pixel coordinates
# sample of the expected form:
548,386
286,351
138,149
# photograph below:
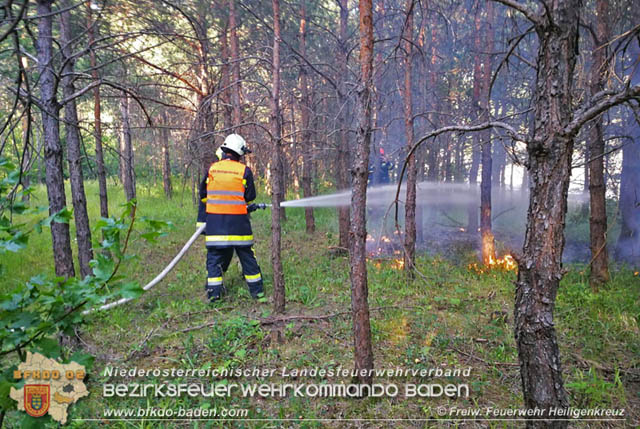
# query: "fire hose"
174,261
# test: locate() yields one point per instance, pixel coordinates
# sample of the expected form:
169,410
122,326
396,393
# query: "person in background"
224,194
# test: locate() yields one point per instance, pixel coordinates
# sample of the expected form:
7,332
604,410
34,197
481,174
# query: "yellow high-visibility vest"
225,188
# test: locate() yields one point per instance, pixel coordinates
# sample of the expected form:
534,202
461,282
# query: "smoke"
443,218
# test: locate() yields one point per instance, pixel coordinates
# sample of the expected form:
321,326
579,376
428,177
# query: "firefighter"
224,195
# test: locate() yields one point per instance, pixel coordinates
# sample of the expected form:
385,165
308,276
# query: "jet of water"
427,193
431,194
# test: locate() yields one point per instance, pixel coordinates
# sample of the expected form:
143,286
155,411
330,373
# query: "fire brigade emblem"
50,387
36,399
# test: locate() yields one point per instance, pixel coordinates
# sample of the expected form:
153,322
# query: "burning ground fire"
385,249
397,264
380,249
506,263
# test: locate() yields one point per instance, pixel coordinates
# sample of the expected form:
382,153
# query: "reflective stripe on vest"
225,188
229,240
225,202
234,193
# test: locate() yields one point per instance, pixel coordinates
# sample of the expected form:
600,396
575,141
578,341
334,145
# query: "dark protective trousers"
218,260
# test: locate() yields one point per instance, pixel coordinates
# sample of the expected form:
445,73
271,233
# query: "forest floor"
451,317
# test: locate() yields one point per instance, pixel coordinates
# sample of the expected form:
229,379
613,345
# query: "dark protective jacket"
224,193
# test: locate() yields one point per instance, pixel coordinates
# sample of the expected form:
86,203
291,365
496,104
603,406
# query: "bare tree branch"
599,104
80,92
16,20
453,128
170,73
288,45
531,15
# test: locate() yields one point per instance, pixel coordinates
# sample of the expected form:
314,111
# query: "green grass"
452,318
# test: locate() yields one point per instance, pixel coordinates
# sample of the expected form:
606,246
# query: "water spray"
428,193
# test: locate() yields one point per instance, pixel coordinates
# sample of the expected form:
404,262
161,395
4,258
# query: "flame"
397,264
506,263
382,246
461,229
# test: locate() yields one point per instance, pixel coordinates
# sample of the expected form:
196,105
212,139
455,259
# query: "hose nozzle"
255,206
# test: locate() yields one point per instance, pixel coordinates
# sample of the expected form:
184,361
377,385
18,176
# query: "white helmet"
235,143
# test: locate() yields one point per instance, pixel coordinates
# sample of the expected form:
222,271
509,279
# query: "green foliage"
155,229
453,317
613,313
34,313
590,390
44,306
12,236
229,339
63,216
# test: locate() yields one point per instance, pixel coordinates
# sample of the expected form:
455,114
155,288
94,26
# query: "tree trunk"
62,256
499,153
599,273
305,111
97,133
283,176
201,147
410,203
459,173
628,244
363,352
472,209
431,101
236,100
549,167
423,126
343,142
447,170
78,197
586,167
486,233
126,151
499,165
166,160
276,166
225,79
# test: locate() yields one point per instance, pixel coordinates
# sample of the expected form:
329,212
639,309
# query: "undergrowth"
449,317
